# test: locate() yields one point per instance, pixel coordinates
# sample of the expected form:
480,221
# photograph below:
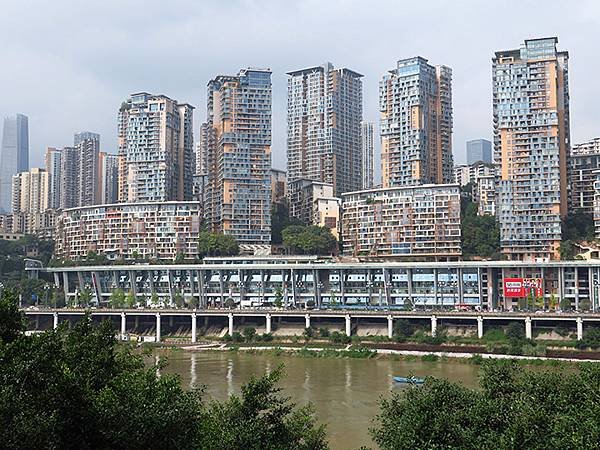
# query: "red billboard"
520,287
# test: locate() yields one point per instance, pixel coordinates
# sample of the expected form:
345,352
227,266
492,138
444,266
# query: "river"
344,391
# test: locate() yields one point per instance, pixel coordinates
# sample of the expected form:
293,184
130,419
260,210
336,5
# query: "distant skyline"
75,62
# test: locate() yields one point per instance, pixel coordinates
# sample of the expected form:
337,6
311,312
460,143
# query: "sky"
68,64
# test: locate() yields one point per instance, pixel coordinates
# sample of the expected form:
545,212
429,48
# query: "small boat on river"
409,380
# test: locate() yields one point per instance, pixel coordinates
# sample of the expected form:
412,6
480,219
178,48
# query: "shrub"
403,328
309,333
324,332
339,338
249,333
237,337
267,337
515,331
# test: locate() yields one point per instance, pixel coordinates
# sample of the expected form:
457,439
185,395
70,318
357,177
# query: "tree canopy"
216,244
309,240
79,388
513,408
480,234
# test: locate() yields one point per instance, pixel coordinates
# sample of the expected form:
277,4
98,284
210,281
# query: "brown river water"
344,391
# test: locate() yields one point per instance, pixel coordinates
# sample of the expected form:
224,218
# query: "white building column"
194,327
433,325
390,320
230,325
528,333
268,323
123,325
157,327
579,328
307,320
479,327
55,320
348,325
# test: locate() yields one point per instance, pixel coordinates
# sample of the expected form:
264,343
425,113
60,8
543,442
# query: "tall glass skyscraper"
14,156
479,150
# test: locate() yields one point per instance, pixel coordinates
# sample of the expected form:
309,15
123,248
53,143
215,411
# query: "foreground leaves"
514,408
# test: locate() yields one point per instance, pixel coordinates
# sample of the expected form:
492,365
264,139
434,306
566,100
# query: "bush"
355,339
237,337
308,333
324,332
515,331
403,328
267,337
430,357
591,338
249,333
339,338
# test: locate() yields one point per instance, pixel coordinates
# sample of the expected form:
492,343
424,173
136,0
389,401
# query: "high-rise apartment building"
30,202
479,150
324,114
85,136
415,102
53,169
238,190
109,176
531,145
14,156
156,149
69,177
583,169
368,154
87,145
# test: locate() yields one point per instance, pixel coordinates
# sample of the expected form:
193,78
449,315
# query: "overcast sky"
68,64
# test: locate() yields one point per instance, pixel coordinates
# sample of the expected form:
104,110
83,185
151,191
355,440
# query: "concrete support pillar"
307,320
123,325
268,323
528,333
479,327
579,328
390,320
157,327
230,325
348,325
55,321
194,327
433,325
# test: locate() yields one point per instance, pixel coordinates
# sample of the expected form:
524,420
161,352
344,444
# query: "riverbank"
362,352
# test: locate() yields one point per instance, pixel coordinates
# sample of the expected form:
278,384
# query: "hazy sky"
68,64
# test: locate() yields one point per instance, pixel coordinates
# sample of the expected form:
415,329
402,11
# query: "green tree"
480,234
85,297
130,300
216,244
513,407
578,227
309,240
278,298
178,300
84,391
12,320
585,304
260,418
565,304
117,298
